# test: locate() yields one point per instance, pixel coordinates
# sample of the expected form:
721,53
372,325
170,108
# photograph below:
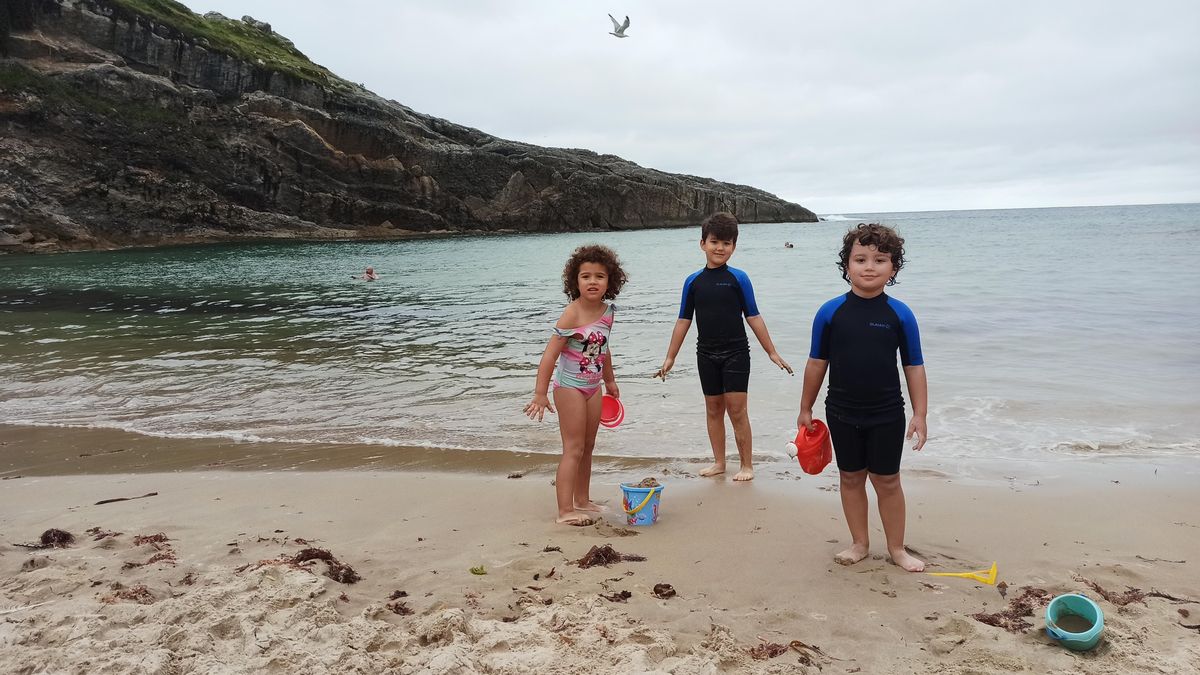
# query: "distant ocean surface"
1047,333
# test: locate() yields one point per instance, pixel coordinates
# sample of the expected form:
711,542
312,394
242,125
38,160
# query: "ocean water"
1047,333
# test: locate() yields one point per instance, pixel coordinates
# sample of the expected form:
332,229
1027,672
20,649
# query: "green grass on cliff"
18,78
235,38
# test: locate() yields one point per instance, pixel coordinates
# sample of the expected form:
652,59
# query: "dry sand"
751,565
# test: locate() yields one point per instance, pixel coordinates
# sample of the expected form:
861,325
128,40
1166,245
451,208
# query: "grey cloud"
863,106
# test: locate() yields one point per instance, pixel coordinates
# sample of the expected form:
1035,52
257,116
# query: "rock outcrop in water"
137,122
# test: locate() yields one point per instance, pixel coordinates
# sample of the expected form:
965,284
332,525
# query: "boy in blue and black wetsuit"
856,337
719,296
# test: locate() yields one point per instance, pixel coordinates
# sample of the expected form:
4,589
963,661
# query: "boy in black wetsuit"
856,336
719,296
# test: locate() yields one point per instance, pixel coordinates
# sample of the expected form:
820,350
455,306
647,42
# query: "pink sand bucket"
612,411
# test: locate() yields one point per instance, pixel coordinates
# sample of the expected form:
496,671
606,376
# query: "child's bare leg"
735,405
572,426
714,413
854,505
583,481
891,512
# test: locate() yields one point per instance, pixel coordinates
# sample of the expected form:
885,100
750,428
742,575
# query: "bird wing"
616,26
623,26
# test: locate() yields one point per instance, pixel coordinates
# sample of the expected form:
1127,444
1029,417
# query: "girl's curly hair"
882,238
594,253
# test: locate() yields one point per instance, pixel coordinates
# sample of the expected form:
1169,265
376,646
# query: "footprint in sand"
606,529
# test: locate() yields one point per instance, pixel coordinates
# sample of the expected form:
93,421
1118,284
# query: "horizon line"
1011,208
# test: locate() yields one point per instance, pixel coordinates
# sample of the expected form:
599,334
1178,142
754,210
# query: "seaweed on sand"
605,555
139,594
1012,617
811,655
152,539
98,533
664,591
160,557
337,570
1130,594
399,607
767,650
52,538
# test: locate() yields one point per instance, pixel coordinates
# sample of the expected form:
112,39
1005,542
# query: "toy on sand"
813,449
982,576
612,411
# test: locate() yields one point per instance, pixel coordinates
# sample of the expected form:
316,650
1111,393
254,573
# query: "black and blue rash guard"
719,297
859,337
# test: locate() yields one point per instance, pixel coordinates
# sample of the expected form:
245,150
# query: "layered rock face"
119,127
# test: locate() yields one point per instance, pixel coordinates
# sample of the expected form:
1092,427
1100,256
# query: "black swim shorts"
724,373
875,447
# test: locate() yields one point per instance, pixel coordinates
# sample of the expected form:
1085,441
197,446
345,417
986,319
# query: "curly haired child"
856,337
582,350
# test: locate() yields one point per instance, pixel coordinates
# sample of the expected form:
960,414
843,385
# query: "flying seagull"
619,28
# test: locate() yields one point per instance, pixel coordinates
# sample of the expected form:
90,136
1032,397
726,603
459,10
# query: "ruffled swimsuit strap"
581,362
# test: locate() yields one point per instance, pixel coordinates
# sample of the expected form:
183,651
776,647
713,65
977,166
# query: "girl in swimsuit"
580,348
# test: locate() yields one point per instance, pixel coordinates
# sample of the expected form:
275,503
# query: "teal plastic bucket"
641,504
1063,609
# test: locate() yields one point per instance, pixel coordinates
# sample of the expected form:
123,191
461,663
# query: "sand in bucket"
1075,621
641,501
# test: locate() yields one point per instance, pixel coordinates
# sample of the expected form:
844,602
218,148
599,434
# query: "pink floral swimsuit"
581,363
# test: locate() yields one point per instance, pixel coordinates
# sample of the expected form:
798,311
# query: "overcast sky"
851,107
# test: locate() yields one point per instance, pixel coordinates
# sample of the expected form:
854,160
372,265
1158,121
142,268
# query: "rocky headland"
138,122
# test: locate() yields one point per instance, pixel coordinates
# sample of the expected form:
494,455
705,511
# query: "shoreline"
35,450
324,234
747,561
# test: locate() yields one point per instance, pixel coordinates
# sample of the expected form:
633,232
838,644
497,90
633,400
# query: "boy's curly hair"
594,253
882,237
721,225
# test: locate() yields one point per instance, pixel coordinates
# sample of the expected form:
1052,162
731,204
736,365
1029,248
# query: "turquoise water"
1047,332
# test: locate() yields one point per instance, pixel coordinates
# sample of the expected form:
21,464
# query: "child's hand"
611,389
536,409
917,427
804,421
667,365
778,360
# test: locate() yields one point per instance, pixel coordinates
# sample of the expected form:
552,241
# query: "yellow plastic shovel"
982,576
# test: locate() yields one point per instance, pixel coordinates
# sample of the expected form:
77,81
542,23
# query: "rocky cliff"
137,122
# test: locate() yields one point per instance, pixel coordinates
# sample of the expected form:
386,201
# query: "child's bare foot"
714,470
851,555
906,560
575,520
745,474
590,507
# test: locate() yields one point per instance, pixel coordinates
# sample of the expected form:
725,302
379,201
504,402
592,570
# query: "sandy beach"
224,589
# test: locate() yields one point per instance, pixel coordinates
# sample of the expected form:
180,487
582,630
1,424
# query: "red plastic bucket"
612,411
